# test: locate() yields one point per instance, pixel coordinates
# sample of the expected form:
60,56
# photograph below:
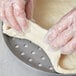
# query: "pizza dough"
65,64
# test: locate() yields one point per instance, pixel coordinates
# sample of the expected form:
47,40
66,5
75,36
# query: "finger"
62,39
70,47
29,8
62,25
10,17
2,12
54,32
19,13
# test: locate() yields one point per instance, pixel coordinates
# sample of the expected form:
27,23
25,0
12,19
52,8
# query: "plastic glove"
16,13
62,36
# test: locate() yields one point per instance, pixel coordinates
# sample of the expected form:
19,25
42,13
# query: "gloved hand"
62,36
16,13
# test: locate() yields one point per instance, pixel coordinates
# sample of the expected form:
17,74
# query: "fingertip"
17,28
48,36
25,29
25,25
45,39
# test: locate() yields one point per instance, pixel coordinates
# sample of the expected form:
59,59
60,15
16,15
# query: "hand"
63,35
16,13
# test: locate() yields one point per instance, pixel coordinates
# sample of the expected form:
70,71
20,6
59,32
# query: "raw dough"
62,64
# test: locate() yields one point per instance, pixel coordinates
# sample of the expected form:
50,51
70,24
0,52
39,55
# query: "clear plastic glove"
62,36
16,13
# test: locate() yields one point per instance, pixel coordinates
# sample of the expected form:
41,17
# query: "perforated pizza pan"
31,54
